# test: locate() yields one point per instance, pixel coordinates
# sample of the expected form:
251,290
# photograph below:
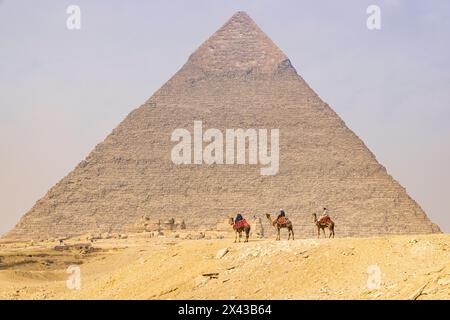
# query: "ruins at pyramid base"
238,78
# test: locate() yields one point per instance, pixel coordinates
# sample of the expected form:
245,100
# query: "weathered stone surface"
237,79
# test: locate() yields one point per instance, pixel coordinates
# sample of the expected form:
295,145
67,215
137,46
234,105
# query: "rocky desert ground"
173,267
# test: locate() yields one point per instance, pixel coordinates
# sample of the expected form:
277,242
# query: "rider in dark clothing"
239,217
281,214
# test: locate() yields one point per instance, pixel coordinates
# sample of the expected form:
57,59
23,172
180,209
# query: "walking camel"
322,223
239,227
280,224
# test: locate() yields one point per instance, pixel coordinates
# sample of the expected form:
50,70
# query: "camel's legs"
324,234
318,232
237,237
278,233
290,232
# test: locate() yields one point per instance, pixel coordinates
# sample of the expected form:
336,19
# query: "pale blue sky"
62,92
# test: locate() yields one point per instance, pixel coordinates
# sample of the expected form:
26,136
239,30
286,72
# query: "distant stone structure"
257,227
147,224
238,78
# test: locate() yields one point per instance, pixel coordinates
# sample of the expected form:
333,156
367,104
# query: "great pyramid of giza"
238,78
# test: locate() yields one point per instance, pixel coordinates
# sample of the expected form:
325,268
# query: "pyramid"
238,78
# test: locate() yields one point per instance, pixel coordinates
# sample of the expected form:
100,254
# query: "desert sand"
170,267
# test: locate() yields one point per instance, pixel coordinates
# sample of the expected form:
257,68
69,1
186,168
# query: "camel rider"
325,217
281,214
239,221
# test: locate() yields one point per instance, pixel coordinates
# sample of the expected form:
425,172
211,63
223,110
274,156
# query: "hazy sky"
62,92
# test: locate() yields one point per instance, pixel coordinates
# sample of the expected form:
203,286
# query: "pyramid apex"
242,20
239,47
241,15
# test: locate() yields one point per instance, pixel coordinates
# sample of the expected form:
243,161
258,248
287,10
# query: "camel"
278,226
322,225
238,230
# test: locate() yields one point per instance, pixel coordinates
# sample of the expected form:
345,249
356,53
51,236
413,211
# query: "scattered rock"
221,253
212,275
417,293
443,282
436,270
84,247
377,294
201,235
162,293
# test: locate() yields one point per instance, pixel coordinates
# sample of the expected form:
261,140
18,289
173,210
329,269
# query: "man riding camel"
281,222
281,215
240,221
240,225
325,217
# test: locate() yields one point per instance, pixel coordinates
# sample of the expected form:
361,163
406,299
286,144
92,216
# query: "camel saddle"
325,220
282,220
240,224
